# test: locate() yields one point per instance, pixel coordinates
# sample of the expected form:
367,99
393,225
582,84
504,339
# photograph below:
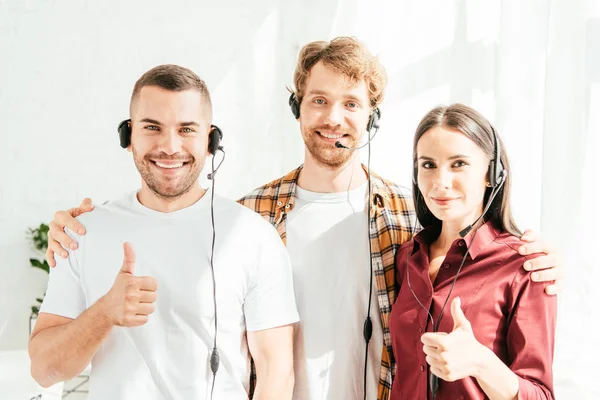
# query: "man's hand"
547,265
131,298
58,240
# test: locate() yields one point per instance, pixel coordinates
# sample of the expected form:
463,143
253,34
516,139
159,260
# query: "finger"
546,275
55,247
86,205
433,340
57,234
539,246
144,309
529,236
50,258
433,362
147,296
460,321
66,219
138,320
431,352
128,259
541,262
437,372
554,289
147,283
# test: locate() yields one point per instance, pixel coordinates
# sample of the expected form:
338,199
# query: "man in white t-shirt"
342,256
139,299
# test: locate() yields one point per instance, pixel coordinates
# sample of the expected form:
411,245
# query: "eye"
151,128
319,101
459,163
187,130
428,165
353,105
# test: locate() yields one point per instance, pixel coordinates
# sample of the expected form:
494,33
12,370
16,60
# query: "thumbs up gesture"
455,355
131,298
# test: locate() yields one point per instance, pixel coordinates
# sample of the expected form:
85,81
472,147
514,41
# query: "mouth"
443,201
169,166
331,137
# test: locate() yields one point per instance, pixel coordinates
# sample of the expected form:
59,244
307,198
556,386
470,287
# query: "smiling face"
169,139
452,174
334,108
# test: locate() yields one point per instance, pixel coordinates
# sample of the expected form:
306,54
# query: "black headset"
373,119
496,178
214,145
214,138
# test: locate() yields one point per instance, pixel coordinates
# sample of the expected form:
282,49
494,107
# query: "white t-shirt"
327,239
168,357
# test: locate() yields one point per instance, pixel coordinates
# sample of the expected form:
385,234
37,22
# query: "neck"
320,178
451,230
153,201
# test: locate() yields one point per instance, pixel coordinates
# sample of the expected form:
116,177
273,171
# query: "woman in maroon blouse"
468,322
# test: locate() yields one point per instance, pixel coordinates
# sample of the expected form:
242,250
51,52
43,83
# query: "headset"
372,124
214,145
496,176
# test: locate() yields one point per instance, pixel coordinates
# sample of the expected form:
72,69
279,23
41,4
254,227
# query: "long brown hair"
478,129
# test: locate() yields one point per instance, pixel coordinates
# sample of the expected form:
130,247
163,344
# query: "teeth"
179,165
331,135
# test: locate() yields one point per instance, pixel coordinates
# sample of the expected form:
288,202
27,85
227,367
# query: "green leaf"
37,264
39,300
35,310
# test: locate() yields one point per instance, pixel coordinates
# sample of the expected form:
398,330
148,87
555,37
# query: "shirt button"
422,368
446,265
461,243
279,203
287,206
420,330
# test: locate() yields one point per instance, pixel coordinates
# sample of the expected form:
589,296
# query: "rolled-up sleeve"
530,337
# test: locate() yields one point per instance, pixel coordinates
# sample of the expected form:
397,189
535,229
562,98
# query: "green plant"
39,239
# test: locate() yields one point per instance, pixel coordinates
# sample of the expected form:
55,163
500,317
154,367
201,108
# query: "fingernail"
522,250
535,276
527,265
73,246
81,231
63,254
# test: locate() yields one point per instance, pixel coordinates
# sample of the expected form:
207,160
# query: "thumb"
86,204
460,321
128,258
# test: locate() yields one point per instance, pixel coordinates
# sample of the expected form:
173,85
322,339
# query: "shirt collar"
289,183
485,235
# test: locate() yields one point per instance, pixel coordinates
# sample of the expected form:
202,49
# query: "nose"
442,178
170,142
334,115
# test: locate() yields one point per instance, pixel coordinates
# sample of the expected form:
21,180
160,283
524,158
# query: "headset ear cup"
374,119
214,139
294,105
124,130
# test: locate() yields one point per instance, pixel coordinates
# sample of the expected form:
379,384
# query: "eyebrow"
457,156
350,97
155,122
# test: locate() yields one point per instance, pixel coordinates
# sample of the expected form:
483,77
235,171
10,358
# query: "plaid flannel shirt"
392,223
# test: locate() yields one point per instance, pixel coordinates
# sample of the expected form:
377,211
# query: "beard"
325,153
167,187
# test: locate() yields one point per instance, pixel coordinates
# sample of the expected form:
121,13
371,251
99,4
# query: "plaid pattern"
392,223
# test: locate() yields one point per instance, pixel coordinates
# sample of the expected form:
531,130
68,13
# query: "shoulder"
393,190
109,209
243,219
270,192
509,246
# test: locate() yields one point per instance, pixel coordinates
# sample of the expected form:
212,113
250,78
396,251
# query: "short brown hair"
174,78
478,129
345,55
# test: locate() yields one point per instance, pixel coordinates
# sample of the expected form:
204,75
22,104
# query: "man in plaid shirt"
320,212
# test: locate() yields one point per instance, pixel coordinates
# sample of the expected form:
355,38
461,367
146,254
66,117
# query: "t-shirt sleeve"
64,295
270,300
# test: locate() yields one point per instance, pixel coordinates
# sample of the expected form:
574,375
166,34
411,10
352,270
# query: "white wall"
67,70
